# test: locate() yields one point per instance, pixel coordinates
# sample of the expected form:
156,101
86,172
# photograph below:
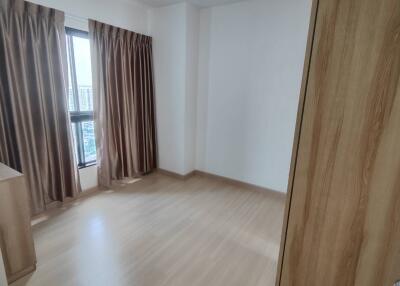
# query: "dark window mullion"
82,116
76,33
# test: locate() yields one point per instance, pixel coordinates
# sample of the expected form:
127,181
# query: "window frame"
77,117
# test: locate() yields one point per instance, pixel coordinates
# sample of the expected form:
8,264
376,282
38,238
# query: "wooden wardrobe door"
343,224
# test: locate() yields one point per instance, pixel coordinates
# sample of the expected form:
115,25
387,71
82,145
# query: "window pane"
71,102
89,143
80,96
83,73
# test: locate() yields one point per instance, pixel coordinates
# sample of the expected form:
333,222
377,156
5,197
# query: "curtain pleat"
124,102
35,132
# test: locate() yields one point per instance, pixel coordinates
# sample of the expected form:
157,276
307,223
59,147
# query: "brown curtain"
124,102
35,133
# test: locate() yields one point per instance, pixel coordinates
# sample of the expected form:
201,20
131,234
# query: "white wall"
129,15
88,177
203,89
175,33
251,60
192,47
168,29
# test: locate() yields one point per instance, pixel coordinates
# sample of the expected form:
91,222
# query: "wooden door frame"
295,148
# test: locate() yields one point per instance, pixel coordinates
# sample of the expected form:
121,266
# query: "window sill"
87,165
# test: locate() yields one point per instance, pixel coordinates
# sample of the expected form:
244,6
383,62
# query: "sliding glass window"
80,96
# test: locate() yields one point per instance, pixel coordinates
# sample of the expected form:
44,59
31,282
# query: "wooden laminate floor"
162,231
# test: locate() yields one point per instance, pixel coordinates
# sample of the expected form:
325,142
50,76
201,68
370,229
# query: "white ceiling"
200,3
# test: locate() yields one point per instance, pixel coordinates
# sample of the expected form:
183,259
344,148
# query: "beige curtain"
35,133
122,66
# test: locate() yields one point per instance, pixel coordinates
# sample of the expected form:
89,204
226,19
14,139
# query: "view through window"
80,96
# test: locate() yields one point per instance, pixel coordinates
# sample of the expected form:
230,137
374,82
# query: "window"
80,96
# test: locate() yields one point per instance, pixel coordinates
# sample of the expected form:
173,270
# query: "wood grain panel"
16,241
300,110
344,215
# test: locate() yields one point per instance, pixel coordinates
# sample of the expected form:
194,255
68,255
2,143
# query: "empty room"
199,142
